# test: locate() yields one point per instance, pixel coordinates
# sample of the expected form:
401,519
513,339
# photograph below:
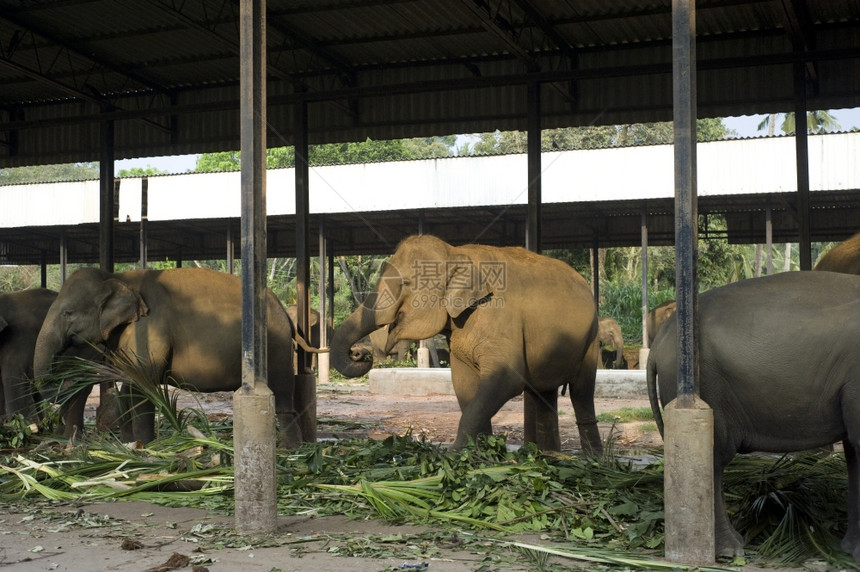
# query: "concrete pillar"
423,356
688,457
254,437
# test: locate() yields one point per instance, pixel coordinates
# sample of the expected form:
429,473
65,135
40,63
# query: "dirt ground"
141,537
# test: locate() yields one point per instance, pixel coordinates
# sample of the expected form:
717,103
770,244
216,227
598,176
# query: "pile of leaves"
791,508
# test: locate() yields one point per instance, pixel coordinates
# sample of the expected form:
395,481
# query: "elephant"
516,322
185,323
793,335
609,334
657,317
21,317
844,257
314,339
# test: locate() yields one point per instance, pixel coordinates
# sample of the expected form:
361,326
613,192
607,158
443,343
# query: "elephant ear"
118,304
465,285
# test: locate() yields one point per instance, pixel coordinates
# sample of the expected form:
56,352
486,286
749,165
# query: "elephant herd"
516,322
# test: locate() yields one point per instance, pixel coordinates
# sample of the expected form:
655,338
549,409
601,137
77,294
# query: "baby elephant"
793,336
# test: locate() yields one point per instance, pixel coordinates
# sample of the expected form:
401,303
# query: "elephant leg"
582,399
289,420
728,541
851,540
18,395
137,418
540,419
72,412
480,396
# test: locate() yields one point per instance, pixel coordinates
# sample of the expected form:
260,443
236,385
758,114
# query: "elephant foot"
589,438
729,542
851,545
290,432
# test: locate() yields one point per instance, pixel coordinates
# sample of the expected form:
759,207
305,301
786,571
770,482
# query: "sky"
746,126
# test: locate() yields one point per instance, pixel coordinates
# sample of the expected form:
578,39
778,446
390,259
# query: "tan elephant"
844,257
609,335
517,321
185,322
657,317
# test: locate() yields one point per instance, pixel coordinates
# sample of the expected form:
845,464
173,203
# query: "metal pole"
107,197
253,403
144,221
768,231
689,433
305,388
801,147
231,250
323,358
533,217
643,354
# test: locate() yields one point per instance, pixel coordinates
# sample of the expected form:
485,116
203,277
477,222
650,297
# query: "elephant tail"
651,381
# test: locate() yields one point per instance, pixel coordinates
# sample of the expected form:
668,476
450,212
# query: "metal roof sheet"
167,72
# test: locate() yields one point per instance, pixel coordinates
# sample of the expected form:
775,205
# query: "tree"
369,151
602,136
141,172
816,122
49,173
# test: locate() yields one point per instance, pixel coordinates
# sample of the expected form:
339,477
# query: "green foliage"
16,432
49,173
141,171
594,137
626,415
369,151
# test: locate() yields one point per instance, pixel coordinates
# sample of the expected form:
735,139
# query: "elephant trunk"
343,359
48,345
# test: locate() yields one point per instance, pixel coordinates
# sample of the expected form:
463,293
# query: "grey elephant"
186,323
21,317
793,336
516,321
657,317
844,257
609,335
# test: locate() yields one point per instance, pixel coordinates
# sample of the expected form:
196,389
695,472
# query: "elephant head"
91,305
423,286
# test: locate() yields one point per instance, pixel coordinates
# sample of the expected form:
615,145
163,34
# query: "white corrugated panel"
49,204
724,168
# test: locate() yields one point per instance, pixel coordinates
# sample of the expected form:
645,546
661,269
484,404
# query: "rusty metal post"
253,403
689,428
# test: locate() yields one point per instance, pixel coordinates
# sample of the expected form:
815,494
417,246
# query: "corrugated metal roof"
585,193
169,70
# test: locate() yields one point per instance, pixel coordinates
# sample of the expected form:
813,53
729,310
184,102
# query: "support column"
144,222
643,353
689,427
768,232
801,147
533,217
107,198
305,392
323,358
253,403
231,249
